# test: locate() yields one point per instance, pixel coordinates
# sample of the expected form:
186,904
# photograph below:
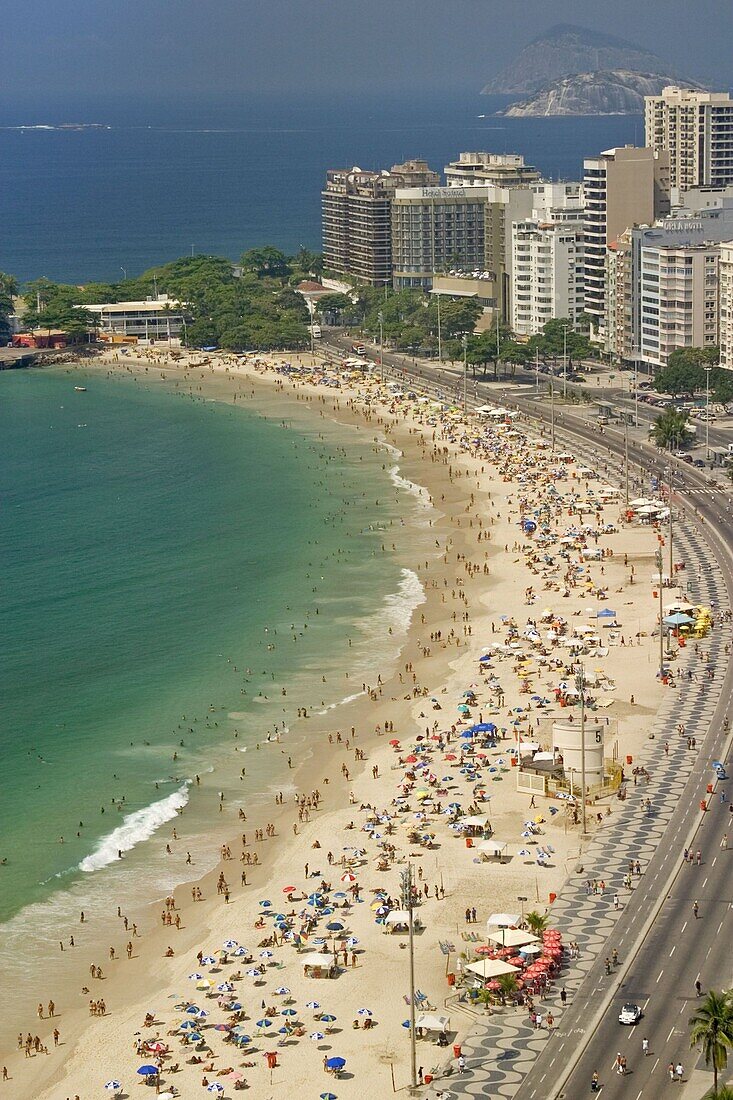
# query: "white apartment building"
547,266
679,299
725,272
547,273
160,318
436,229
695,129
480,169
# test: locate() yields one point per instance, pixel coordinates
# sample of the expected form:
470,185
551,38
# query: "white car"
629,1014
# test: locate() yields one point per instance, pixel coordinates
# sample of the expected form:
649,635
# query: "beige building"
480,169
437,229
357,218
726,304
695,129
619,299
623,187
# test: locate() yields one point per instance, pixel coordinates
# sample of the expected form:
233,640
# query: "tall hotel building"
695,129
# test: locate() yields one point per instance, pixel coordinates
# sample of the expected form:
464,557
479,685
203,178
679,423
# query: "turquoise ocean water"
162,562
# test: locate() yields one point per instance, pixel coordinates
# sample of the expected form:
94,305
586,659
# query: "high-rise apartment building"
480,169
725,273
679,299
695,129
357,218
547,268
623,187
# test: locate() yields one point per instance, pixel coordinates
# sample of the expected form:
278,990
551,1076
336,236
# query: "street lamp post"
552,415
522,899
464,341
564,362
580,685
707,413
440,338
670,533
380,318
407,903
626,463
124,272
660,565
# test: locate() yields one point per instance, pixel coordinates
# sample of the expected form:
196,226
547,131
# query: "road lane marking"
683,927
673,951
719,927
660,974
671,1033
705,882
655,1065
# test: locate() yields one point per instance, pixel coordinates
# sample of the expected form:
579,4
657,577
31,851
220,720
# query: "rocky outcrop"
566,50
611,92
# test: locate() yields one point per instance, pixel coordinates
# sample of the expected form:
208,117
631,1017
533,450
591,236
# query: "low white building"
159,318
725,271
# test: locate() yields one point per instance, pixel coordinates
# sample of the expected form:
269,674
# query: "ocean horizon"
144,182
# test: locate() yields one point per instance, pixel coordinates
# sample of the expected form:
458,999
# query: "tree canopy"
670,430
711,1027
8,289
686,373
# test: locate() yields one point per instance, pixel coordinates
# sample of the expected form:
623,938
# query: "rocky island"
574,71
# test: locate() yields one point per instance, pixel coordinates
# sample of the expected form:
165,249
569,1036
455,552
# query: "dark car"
699,463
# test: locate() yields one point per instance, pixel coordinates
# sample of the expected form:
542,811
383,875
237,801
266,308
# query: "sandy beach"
523,551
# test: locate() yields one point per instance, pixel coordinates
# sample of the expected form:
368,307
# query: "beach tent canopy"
432,1021
528,746
503,920
317,958
495,846
399,916
491,968
479,821
512,937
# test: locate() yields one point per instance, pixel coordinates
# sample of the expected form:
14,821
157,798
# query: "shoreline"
476,593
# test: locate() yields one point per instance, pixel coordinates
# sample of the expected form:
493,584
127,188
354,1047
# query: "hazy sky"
176,47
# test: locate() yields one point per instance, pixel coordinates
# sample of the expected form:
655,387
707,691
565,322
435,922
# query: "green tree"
536,922
508,983
266,261
670,430
711,1028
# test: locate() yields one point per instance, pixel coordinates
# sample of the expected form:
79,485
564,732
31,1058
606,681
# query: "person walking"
645,1046
695,909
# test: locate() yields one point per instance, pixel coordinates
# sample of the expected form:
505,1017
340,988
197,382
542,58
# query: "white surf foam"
410,487
135,828
399,606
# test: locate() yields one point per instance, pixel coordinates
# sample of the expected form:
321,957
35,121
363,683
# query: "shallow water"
178,576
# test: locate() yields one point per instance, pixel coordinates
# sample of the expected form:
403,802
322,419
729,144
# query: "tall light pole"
464,341
407,904
626,463
124,272
564,362
380,318
552,415
537,370
580,685
707,413
669,502
440,338
660,566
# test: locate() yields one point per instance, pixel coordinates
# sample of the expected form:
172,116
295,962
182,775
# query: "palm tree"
508,984
712,1028
536,922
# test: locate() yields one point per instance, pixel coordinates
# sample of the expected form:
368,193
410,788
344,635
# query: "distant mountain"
566,50
608,92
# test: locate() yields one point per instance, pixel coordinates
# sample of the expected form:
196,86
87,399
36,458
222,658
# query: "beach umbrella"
225,987
336,1063
266,954
209,960
288,1012
348,877
148,1071
157,1048
328,1019
314,1005
317,1036
229,945
239,952
204,984
266,903
252,973
215,1087
328,1096
195,977
335,926
113,1086
282,990
193,1010
187,1025
364,1012
222,1027
264,1023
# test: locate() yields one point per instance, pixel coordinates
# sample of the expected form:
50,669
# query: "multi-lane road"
663,947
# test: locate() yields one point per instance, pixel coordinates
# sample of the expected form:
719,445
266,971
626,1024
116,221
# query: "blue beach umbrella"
317,1036
335,926
336,1063
266,904
328,1019
193,1010
113,1086
229,945
148,1071
208,960
328,1096
264,1023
